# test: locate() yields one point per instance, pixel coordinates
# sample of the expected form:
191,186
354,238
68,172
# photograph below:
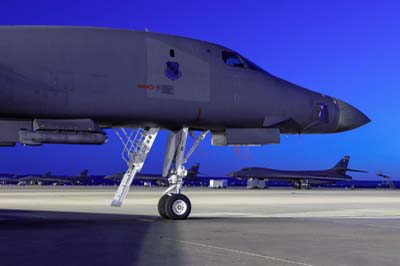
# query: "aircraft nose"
350,117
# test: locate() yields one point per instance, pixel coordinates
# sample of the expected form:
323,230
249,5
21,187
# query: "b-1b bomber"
65,85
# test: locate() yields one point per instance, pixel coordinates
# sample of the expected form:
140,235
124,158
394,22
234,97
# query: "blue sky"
346,49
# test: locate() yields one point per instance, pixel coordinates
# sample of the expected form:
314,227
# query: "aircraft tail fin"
82,177
193,171
84,173
341,167
47,174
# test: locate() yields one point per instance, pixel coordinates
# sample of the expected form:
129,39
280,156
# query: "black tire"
175,204
161,206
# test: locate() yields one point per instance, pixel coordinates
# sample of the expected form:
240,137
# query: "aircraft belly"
309,178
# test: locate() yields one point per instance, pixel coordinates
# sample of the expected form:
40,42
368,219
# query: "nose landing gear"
137,144
173,204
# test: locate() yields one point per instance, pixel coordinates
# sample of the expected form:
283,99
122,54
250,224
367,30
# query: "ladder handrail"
131,141
136,148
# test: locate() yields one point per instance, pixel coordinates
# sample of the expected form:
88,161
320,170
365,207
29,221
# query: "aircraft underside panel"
40,131
246,136
9,131
176,74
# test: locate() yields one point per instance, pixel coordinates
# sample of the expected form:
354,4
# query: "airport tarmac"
76,226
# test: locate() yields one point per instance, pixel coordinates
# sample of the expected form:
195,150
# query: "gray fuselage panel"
121,77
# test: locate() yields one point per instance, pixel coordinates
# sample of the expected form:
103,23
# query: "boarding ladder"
137,144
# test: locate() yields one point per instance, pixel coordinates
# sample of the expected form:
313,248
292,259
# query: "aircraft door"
179,72
233,71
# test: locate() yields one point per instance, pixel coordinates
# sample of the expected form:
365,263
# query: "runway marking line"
237,251
145,220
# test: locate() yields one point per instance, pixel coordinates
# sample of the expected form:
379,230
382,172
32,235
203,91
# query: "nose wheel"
174,206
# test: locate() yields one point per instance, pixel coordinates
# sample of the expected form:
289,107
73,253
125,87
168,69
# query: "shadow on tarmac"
41,238
60,238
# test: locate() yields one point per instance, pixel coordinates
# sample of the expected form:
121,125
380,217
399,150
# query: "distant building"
218,183
147,184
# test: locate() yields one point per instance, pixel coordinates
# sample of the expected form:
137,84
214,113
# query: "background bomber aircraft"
66,84
300,178
54,180
45,179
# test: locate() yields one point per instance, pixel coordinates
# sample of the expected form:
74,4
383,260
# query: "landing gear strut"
137,144
173,204
300,184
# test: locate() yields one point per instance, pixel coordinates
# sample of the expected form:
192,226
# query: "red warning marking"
146,86
237,151
199,113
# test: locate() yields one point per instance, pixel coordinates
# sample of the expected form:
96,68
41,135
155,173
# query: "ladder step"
123,188
137,154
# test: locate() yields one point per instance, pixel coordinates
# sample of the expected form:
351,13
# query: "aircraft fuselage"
128,78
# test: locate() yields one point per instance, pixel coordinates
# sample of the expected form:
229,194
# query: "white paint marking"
238,251
145,220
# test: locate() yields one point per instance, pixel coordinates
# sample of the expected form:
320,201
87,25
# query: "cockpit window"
232,59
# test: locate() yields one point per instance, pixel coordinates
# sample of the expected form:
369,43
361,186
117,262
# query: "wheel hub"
179,207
